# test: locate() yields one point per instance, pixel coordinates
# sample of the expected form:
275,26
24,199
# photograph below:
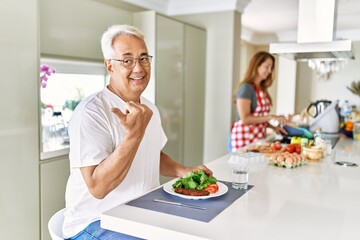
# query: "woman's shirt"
246,91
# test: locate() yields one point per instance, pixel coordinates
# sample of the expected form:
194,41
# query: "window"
64,89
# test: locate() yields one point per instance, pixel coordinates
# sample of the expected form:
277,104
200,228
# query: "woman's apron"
244,134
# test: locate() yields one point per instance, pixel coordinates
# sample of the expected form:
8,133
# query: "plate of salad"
196,185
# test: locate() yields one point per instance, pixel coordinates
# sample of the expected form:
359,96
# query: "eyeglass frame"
135,61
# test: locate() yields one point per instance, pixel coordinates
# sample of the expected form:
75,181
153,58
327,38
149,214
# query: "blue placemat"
213,206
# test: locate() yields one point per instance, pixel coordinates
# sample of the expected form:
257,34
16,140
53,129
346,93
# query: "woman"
253,103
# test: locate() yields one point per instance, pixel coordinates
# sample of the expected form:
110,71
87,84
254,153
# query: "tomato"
212,188
293,148
277,146
290,148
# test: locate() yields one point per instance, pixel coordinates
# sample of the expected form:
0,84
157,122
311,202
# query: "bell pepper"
295,140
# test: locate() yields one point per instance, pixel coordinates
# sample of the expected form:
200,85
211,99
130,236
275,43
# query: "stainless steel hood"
315,36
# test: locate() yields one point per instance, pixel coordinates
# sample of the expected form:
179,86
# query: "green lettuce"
195,180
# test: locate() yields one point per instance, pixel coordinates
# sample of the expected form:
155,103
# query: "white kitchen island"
315,201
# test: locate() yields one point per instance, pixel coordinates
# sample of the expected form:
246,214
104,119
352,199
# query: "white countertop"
315,201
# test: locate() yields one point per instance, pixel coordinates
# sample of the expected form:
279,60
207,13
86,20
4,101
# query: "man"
116,140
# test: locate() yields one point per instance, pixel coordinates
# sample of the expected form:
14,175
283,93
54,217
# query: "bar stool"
55,225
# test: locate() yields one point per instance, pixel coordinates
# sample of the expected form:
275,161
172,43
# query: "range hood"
315,36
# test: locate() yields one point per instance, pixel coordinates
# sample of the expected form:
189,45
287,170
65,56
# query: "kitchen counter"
316,201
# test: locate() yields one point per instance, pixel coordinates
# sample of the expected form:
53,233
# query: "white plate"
169,189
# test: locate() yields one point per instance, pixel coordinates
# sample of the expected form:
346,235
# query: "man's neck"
125,98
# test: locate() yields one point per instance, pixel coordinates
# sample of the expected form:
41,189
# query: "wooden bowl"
312,153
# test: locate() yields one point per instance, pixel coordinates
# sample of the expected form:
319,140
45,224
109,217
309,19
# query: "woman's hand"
281,119
276,121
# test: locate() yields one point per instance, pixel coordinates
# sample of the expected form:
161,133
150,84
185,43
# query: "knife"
179,204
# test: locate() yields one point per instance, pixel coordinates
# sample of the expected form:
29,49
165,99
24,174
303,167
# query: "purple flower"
45,72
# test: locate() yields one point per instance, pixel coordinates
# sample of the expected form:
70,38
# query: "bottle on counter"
318,136
347,120
346,111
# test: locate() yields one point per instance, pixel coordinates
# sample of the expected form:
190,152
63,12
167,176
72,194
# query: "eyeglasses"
130,62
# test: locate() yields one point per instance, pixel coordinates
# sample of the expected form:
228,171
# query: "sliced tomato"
212,188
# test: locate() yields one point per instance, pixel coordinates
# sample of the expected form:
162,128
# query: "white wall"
19,131
286,84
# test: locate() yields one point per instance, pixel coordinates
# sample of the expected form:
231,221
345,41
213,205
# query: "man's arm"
105,177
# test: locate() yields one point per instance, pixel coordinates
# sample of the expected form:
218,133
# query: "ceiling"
263,21
266,17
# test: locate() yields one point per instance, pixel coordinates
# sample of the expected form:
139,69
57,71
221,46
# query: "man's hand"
202,167
135,119
101,179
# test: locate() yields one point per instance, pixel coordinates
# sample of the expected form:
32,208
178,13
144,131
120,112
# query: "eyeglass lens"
131,62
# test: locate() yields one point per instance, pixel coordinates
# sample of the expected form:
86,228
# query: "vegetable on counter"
293,148
295,140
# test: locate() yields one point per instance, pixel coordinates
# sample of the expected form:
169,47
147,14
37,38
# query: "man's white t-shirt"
94,134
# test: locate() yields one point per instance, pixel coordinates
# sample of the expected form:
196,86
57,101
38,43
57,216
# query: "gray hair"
112,32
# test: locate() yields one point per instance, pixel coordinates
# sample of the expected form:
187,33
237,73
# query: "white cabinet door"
194,95
180,88
170,82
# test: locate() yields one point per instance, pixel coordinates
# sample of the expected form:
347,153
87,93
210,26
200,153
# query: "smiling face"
265,69
128,84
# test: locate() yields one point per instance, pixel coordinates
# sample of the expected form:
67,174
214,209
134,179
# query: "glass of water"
242,164
240,178
239,164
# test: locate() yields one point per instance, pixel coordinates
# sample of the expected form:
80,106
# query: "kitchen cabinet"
53,177
179,82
